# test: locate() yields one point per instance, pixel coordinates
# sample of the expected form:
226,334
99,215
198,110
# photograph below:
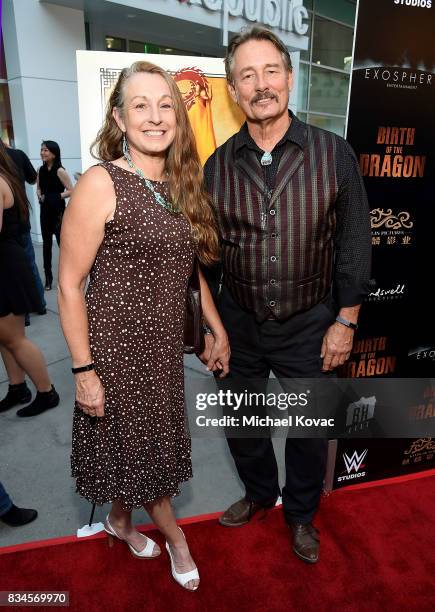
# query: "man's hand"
216,355
336,346
205,355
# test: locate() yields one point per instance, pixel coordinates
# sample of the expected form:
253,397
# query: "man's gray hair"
254,33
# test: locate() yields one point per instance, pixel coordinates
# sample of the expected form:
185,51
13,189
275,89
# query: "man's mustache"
264,96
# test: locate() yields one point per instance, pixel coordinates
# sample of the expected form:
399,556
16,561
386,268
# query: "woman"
54,186
135,223
18,295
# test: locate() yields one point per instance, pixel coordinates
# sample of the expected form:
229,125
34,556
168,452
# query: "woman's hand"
90,393
216,354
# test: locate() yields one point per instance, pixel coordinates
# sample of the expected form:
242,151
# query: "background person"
18,296
28,175
295,230
135,223
10,514
53,187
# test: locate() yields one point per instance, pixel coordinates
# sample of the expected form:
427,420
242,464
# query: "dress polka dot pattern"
140,450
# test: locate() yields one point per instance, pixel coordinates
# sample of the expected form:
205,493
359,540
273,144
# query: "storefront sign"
285,15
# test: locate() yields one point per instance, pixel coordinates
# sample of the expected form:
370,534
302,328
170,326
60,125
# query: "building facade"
38,82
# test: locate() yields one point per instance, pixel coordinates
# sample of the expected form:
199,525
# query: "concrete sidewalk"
35,452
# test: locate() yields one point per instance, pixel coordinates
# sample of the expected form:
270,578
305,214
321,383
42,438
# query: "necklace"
158,196
266,159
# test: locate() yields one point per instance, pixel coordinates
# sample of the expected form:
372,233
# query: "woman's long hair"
54,148
184,169
9,172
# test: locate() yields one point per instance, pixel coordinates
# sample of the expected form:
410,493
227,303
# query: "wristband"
346,322
85,368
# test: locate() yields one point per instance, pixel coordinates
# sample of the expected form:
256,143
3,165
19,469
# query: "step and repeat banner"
391,127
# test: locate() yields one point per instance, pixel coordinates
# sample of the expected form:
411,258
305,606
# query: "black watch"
346,322
85,368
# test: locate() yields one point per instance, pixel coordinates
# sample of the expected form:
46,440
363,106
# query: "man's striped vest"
277,247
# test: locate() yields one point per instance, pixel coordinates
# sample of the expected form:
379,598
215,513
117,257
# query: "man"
294,223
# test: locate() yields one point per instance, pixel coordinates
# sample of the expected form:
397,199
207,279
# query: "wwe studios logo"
353,464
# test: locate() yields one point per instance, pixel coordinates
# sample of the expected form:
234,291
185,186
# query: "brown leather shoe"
306,542
242,511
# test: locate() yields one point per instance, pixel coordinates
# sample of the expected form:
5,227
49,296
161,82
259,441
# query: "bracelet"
85,368
346,322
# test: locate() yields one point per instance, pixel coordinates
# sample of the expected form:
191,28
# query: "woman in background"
18,295
54,186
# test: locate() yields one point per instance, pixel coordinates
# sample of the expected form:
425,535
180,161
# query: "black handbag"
193,319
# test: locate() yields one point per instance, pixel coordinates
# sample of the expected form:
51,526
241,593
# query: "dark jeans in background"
26,241
290,349
5,501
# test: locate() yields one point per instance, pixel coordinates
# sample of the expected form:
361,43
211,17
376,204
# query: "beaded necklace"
158,196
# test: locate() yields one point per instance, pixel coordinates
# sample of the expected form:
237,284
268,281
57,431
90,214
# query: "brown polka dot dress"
140,450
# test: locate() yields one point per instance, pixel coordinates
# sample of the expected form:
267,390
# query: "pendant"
266,160
158,197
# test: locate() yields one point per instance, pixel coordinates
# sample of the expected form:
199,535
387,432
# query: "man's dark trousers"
290,349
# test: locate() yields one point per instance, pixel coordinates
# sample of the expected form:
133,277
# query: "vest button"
272,303
272,281
272,211
273,258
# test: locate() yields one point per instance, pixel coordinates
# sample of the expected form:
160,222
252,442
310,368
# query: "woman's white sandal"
146,553
182,579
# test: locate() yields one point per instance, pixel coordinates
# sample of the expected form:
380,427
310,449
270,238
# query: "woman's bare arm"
216,354
66,182
92,202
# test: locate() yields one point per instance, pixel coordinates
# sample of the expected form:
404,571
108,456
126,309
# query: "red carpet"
377,553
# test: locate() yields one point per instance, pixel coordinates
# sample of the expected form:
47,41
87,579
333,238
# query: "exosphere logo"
415,3
395,77
353,463
423,353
